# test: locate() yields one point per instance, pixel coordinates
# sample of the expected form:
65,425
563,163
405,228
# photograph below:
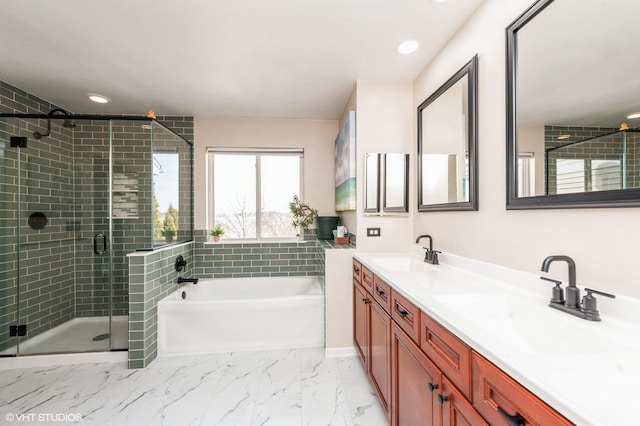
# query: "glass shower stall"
77,194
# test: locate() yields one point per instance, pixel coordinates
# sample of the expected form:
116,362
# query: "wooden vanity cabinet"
372,339
425,375
361,312
415,383
380,354
503,401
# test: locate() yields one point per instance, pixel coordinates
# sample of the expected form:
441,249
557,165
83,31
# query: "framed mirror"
447,144
396,183
372,183
572,91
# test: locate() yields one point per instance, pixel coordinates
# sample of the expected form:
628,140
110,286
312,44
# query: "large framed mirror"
447,144
572,91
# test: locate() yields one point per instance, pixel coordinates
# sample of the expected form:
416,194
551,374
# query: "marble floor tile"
288,387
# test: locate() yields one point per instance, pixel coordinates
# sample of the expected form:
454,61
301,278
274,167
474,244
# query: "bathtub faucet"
187,280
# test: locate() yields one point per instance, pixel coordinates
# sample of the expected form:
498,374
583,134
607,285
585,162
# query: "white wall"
603,242
383,124
315,136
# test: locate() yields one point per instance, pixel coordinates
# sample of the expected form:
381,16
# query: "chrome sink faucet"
588,308
431,255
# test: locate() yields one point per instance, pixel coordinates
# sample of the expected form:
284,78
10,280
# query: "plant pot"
216,238
168,238
325,226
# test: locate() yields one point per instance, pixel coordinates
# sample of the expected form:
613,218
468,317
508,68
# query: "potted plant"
303,214
168,232
217,233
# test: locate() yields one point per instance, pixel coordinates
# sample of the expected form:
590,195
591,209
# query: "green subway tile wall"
152,276
255,259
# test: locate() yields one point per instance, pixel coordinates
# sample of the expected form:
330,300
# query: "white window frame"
257,152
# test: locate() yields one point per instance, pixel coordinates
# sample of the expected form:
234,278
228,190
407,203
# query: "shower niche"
107,189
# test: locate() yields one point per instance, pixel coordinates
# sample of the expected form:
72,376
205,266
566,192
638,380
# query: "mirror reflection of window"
526,174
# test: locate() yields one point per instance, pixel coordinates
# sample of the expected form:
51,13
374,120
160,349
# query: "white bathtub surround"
570,363
295,387
239,314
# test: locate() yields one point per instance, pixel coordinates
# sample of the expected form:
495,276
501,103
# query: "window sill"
256,242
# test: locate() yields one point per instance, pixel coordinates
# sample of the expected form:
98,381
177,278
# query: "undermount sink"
402,264
525,326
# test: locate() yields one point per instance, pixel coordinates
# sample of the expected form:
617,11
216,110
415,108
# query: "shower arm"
39,135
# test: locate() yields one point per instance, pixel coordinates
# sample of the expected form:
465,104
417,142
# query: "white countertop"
588,371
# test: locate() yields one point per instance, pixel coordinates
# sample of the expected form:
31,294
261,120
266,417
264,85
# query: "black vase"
325,226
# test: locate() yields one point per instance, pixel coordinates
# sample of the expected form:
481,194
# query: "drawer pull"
356,270
402,312
381,293
515,420
432,387
365,300
442,399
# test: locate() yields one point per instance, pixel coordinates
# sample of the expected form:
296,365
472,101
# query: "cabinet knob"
442,399
366,301
432,387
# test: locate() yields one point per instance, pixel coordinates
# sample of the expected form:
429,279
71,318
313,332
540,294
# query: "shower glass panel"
73,203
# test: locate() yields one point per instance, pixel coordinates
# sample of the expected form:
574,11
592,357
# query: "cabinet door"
456,410
380,355
415,382
361,300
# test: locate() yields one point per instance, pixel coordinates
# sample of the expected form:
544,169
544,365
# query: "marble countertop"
588,371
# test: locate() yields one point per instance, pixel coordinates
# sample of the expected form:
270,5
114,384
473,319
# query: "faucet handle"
589,303
601,293
434,257
557,294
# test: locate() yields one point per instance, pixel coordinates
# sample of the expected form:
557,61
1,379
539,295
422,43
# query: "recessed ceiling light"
437,1
563,137
99,99
407,47
634,115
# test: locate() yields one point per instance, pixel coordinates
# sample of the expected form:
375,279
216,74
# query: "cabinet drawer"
494,392
407,315
448,352
367,279
382,293
357,271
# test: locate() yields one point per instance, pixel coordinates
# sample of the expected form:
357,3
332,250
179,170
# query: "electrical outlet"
373,232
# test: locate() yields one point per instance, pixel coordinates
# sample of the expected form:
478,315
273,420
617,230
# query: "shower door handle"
96,250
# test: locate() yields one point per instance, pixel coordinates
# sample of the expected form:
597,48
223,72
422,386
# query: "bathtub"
240,314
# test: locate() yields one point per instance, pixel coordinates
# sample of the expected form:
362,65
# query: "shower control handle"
97,250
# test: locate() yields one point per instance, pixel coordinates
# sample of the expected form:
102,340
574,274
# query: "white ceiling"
239,58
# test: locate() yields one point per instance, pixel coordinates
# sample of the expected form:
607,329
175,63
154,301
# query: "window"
252,190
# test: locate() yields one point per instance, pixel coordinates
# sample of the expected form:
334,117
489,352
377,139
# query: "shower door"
56,247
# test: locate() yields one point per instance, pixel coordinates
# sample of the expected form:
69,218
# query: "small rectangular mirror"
396,179
372,183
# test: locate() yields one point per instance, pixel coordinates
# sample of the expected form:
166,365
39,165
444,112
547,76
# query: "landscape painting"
346,165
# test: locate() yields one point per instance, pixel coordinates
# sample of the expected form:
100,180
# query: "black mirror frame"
613,198
471,70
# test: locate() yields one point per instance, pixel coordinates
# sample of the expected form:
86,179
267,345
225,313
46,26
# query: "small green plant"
303,214
218,231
